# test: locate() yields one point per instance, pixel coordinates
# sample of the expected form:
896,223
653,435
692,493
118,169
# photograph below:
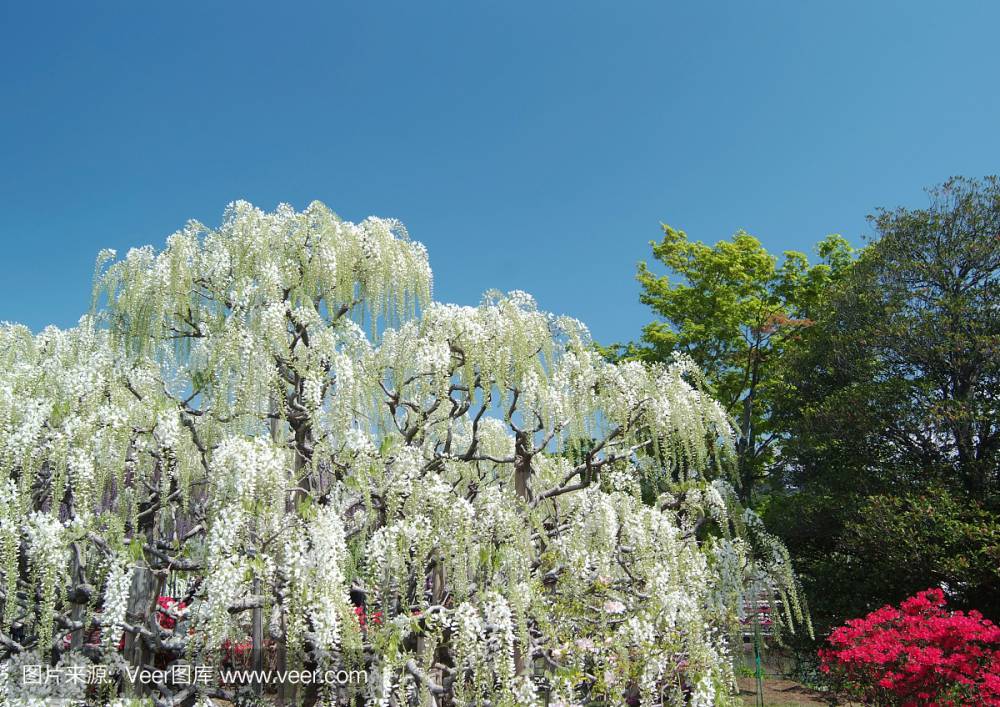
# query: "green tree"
734,309
891,408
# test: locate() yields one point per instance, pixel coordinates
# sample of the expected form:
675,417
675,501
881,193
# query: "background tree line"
864,387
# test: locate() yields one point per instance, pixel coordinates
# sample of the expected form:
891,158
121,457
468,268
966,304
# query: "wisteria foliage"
274,422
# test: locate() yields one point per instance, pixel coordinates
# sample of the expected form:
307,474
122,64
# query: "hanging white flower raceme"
46,555
167,430
116,591
323,580
82,476
10,540
247,470
225,582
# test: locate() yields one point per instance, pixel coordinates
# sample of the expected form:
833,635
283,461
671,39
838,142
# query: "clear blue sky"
531,145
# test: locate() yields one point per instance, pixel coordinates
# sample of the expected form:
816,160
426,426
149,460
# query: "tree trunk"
141,612
257,645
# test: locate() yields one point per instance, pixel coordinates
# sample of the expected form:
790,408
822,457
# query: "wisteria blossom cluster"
274,425
918,654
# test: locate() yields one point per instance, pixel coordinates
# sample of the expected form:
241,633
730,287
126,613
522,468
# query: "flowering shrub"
917,654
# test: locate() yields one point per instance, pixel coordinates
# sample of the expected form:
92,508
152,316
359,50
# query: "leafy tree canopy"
734,309
890,404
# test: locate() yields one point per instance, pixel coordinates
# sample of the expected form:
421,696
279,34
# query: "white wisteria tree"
269,436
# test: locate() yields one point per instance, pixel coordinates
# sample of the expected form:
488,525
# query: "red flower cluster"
167,609
236,653
375,618
918,655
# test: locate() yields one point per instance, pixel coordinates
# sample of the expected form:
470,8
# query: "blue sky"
529,145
